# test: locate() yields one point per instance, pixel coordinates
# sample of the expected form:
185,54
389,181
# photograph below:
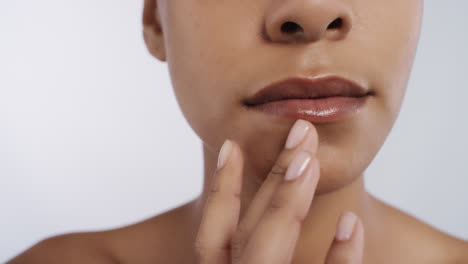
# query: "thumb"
348,244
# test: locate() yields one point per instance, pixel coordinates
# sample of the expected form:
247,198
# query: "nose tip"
307,20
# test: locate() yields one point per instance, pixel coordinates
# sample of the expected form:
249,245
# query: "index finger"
221,210
276,234
306,138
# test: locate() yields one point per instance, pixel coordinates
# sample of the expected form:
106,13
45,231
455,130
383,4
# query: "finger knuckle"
280,208
214,195
241,234
200,249
199,244
237,246
217,190
215,186
279,202
276,207
278,169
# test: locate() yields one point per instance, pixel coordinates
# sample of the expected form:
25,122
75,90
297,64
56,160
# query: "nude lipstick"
319,100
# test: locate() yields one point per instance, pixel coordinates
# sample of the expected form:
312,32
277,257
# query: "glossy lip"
319,100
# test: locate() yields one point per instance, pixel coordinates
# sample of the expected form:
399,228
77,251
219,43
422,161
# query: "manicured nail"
297,165
346,226
297,133
224,153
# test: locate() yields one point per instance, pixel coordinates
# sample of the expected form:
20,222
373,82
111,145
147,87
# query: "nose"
307,20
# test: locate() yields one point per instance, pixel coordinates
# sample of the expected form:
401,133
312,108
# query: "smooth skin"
271,226
220,52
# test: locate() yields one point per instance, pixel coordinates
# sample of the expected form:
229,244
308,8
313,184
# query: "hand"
268,232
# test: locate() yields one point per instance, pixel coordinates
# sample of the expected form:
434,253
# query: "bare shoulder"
66,248
447,248
424,241
147,241
463,256
458,249
159,239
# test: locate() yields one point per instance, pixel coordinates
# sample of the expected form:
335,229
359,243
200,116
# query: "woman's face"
220,52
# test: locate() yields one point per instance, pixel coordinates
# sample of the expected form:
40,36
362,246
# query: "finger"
221,210
348,245
275,235
302,136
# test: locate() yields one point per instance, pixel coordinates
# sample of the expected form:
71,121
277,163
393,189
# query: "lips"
324,99
303,88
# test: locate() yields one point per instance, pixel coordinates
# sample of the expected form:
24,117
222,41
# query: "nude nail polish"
297,166
297,133
346,226
224,153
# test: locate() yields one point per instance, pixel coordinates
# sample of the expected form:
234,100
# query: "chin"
337,171
334,179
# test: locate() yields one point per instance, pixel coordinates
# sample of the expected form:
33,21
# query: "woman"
306,92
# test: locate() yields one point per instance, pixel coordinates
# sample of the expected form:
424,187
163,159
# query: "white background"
91,136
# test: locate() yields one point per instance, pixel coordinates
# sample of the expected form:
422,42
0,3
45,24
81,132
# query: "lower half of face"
222,52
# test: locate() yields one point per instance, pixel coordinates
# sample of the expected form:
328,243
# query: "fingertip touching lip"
308,88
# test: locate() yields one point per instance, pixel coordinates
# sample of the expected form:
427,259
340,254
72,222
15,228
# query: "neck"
318,228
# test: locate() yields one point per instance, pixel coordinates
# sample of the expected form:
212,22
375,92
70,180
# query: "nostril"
291,27
337,23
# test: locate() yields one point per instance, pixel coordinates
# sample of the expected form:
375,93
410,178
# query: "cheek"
208,53
390,34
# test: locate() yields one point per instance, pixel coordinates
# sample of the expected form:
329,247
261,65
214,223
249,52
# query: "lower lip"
324,110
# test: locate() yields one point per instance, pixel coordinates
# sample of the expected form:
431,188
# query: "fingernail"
297,165
346,226
224,153
297,133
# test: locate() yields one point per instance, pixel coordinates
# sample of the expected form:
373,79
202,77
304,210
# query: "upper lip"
308,88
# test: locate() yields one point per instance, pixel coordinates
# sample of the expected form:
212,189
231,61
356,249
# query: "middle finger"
302,137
